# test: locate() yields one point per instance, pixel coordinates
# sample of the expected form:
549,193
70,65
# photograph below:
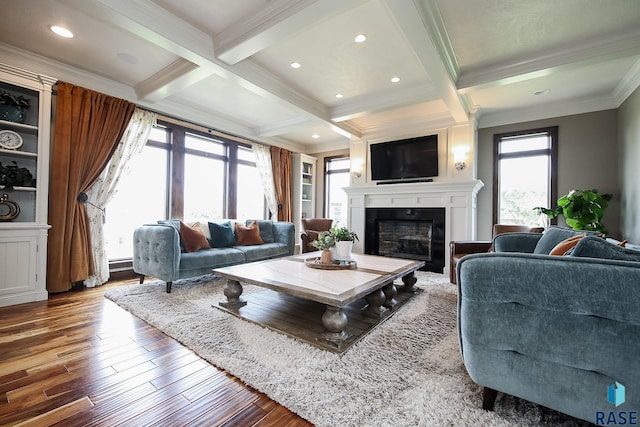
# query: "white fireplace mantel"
458,198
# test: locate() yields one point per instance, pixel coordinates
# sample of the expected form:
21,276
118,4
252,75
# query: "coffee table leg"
409,281
374,307
390,293
335,321
233,290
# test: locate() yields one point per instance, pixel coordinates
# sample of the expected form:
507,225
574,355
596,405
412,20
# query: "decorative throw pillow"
552,237
266,229
193,239
204,227
563,247
248,235
222,234
596,247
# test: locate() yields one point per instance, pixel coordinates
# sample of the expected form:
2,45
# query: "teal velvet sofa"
157,251
559,331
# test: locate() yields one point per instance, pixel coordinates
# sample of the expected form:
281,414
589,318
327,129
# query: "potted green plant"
325,242
582,209
13,107
344,239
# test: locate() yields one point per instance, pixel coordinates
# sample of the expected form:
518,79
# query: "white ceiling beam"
411,21
275,21
383,101
516,70
172,79
154,24
284,126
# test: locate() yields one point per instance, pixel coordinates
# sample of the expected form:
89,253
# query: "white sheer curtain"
132,143
263,163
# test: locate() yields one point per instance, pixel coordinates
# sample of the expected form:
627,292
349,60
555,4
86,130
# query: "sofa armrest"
551,329
469,246
516,242
156,251
284,232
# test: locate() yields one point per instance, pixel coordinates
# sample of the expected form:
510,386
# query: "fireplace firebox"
412,233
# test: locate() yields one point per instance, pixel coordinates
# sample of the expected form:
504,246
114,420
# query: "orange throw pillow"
249,235
192,238
562,247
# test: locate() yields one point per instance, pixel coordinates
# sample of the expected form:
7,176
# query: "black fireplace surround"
412,233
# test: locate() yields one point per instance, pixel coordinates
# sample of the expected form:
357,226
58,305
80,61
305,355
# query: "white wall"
587,158
629,141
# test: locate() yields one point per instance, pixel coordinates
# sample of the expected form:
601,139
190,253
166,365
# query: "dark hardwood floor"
80,360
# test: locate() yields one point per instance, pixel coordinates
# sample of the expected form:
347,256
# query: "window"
525,171
183,173
336,178
205,178
250,200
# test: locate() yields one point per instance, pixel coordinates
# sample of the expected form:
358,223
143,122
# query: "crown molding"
547,111
283,126
383,101
436,27
415,126
628,85
171,79
520,69
410,21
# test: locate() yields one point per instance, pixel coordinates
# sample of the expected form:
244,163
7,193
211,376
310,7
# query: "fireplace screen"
405,239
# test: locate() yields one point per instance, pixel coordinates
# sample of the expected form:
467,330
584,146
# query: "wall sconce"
356,168
459,157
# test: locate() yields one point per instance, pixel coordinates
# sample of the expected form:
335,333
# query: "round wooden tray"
315,263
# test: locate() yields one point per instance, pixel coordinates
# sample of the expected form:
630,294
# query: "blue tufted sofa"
559,331
157,251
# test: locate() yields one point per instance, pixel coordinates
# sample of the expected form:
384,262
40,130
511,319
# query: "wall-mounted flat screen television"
410,159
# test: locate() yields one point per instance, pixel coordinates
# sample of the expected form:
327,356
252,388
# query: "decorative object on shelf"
13,107
14,176
10,140
14,208
582,209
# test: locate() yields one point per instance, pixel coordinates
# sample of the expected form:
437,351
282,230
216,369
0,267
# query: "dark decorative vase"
12,113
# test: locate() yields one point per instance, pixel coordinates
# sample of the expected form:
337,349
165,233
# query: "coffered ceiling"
225,64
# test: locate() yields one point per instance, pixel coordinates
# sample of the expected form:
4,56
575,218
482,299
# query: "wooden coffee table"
331,309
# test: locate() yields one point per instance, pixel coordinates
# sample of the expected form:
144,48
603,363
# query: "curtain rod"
204,129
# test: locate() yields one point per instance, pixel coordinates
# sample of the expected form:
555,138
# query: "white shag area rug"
407,372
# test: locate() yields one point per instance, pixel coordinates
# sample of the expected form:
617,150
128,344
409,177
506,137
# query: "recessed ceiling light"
360,38
541,92
395,79
295,65
315,136
61,31
339,95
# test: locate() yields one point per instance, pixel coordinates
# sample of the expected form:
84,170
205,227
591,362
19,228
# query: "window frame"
327,174
176,154
552,151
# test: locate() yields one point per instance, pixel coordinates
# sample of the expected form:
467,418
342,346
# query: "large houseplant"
582,209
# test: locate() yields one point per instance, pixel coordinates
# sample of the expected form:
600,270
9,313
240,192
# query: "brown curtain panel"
88,128
281,163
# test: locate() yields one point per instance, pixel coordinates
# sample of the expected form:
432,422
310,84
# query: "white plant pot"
342,251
